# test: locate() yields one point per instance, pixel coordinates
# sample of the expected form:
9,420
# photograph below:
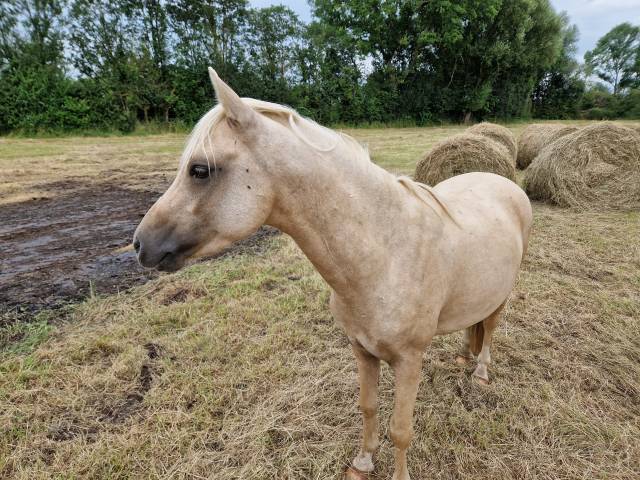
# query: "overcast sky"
594,18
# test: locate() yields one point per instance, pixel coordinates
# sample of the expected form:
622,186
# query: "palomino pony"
404,261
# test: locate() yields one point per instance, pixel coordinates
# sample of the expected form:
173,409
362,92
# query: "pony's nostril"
136,245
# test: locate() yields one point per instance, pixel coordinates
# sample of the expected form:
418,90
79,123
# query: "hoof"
363,463
480,380
462,360
401,476
480,375
354,474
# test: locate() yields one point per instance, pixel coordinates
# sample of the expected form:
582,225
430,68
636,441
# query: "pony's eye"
199,171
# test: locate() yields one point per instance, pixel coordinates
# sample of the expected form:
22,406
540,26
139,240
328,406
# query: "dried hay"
537,136
598,165
498,133
463,153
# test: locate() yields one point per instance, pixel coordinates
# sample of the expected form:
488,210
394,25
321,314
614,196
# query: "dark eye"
199,171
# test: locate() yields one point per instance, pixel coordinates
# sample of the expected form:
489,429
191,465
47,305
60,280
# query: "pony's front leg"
407,379
368,372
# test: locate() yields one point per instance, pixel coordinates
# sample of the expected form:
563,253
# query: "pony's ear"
233,105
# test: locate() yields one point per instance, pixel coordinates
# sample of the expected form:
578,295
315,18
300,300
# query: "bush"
597,113
630,104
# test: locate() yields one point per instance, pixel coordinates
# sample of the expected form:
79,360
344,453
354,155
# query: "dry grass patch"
398,149
250,378
234,369
127,161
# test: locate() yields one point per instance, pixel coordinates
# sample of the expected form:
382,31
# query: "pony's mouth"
171,262
177,255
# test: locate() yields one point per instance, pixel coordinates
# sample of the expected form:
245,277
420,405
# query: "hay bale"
462,153
498,133
597,166
537,136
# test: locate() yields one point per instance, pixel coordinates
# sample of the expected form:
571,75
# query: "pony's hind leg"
489,324
465,354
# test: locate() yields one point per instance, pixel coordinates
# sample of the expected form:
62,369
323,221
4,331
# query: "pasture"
234,369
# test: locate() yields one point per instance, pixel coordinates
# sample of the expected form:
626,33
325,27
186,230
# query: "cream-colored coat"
404,262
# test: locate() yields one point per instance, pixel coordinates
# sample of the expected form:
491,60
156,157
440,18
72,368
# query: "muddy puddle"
61,249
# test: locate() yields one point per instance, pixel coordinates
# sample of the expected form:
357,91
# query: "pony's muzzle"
150,255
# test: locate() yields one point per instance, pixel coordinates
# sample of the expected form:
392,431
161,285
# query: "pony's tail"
476,336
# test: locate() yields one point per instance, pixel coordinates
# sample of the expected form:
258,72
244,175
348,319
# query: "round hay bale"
537,136
498,133
597,166
463,153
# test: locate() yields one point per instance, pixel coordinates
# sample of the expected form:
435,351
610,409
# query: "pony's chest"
381,326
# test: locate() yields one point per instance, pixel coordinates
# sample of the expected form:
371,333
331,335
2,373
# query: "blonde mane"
418,189
201,134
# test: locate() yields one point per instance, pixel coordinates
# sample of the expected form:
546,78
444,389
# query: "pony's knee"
401,434
369,409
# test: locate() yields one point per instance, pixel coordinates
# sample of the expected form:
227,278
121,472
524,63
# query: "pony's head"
221,192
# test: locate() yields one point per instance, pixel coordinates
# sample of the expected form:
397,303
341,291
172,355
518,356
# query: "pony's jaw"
213,247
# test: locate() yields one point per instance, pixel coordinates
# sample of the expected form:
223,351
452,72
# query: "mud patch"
75,244
61,249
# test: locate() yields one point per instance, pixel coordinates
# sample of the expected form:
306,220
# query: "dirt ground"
68,237
68,210
65,247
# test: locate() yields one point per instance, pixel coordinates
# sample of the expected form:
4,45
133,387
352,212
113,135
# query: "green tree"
560,91
459,59
32,73
105,42
615,54
631,76
274,35
206,33
533,32
156,92
129,61
331,76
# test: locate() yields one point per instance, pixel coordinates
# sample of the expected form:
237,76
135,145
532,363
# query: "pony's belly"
454,325
458,315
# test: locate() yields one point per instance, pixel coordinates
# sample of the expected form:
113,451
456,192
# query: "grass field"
234,369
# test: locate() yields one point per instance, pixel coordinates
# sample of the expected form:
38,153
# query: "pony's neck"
341,210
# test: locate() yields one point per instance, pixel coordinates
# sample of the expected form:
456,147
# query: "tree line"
68,65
